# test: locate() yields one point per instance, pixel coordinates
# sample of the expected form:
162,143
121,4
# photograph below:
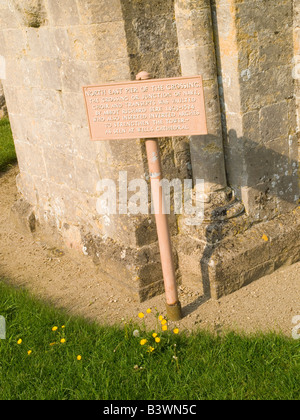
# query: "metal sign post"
163,231
150,109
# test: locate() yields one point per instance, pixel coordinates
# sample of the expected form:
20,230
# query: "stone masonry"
247,53
296,62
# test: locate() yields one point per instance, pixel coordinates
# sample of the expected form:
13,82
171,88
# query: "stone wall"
152,45
52,49
246,54
255,60
296,63
48,60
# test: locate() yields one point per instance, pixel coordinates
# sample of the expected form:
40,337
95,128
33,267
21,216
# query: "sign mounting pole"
119,111
163,231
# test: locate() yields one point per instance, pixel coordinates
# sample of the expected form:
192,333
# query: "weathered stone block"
72,110
109,71
75,75
65,205
95,11
47,103
138,269
18,125
63,13
101,42
274,121
31,12
15,42
266,88
239,260
255,16
30,73
189,23
257,272
57,135
50,74
274,44
62,43
26,187
30,159
8,17
87,176
23,217
60,167
48,43
81,145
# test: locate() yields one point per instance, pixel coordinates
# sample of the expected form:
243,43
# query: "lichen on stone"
32,12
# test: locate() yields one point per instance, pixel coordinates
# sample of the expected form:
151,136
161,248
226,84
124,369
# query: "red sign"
146,109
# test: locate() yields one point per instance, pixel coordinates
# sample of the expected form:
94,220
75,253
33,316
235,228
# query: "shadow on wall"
268,176
271,183
151,37
263,173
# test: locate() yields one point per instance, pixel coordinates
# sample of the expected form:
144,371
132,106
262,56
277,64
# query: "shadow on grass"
40,360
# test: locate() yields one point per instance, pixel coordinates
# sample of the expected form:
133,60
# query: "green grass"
208,367
7,148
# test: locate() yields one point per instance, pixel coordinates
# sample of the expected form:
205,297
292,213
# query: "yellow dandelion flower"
29,352
176,331
149,311
141,315
19,341
63,340
79,357
164,328
63,327
157,340
154,335
143,342
163,322
52,344
54,328
265,238
151,349
160,317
